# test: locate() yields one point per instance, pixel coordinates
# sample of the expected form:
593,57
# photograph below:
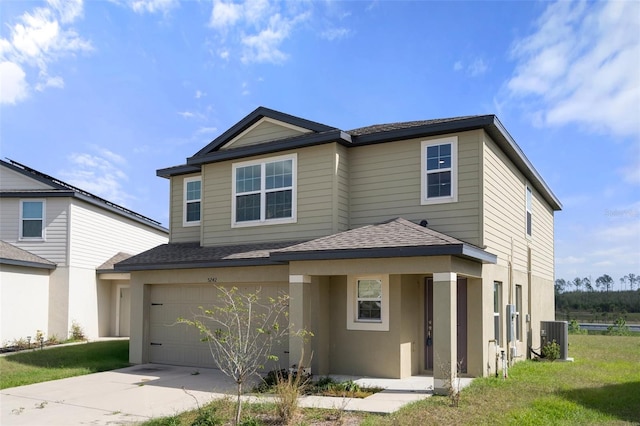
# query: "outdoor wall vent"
558,331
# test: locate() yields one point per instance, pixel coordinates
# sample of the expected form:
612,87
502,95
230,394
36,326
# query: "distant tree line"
603,283
598,297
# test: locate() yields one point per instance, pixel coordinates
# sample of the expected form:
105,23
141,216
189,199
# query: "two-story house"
406,248
57,250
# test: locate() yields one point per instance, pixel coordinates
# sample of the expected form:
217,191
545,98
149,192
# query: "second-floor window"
32,214
264,191
439,170
192,201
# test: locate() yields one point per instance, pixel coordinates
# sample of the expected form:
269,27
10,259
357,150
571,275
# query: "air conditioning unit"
558,331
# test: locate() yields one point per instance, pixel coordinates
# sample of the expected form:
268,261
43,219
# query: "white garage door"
179,344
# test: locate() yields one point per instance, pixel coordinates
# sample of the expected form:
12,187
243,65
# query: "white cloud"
581,66
99,174
199,94
186,114
13,84
335,33
153,6
256,28
474,68
39,38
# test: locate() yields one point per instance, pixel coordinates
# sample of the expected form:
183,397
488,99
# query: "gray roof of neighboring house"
108,265
12,255
379,133
63,189
394,238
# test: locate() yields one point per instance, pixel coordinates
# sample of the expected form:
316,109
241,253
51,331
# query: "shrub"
77,332
574,328
551,351
619,328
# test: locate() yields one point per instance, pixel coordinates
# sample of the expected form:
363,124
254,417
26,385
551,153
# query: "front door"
461,314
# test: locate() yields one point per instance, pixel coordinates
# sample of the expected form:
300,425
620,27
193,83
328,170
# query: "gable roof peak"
251,119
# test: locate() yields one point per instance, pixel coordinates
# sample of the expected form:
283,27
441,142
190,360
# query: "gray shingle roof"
192,255
377,128
109,264
12,255
394,238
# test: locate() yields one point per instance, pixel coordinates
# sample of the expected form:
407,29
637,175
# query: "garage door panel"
179,344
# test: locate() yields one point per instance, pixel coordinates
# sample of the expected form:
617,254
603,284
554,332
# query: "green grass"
65,361
601,387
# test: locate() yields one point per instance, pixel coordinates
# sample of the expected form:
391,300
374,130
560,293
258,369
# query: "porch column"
299,319
444,333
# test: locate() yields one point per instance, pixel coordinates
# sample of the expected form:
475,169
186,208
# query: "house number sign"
212,279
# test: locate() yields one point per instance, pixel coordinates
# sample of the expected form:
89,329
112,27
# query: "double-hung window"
32,214
497,303
192,201
369,299
368,303
439,170
264,191
529,218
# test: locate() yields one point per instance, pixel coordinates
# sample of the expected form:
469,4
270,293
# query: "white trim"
119,288
184,200
43,234
445,276
352,310
294,192
528,209
259,122
299,279
453,140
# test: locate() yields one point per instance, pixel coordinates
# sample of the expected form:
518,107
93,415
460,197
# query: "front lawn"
601,387
54,363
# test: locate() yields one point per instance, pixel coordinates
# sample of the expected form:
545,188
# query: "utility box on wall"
558,331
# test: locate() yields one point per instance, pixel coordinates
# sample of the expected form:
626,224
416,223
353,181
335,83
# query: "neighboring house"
58,247
406,248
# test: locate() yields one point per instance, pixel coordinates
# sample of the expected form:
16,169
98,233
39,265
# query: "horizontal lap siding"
504,207
542,242
505,216
97,235
385,183
180,233
315,206
54,247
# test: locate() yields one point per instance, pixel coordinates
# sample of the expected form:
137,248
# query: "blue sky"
103,93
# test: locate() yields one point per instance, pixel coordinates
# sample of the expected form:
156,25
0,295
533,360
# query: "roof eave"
183,169
27,264
460,250
197,265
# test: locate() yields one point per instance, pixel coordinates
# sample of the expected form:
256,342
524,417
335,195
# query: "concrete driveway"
141,392
130,395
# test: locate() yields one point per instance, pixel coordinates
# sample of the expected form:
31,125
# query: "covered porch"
393,300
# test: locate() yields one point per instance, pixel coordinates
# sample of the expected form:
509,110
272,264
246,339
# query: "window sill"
253,223
439,200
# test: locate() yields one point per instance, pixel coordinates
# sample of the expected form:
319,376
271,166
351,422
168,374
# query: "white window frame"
424,199
263,191
497,304
528,216
185,183
353,323
518,314
42,236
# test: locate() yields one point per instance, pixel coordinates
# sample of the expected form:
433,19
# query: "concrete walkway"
139,393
